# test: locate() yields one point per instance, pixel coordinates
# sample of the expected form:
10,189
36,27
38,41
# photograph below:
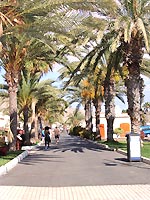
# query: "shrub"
85,134
80,131
75,130
118,131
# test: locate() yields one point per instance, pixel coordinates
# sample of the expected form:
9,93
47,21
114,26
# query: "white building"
122,120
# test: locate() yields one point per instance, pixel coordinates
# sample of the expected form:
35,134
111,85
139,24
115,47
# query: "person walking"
57,134
47,137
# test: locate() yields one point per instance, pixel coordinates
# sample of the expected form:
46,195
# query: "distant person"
47,137
57,134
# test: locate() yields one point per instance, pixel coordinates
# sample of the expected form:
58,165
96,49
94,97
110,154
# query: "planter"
3,151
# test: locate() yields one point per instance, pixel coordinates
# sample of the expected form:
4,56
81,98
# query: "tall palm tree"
16,19
21,16
25,97
125,26
12,57
79,91
9,16
51,105
32,90
109,95
129,29
19,53
131,33
87,94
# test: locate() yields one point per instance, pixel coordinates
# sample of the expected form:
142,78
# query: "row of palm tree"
33,97
37,102
87,89
24,48
124,40
118,37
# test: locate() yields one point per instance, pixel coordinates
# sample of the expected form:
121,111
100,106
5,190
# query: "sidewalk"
77,170
113,192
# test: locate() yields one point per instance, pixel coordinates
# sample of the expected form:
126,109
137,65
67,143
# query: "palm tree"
12,57
109,95
13,19
55,109
130,36
9,16
74,119
95,75
87,94
80,93
31,92
129,30
24,56
25,95
16,19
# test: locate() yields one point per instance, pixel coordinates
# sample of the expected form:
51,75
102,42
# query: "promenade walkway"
76,169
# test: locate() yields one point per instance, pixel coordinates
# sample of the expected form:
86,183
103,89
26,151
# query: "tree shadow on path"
75,144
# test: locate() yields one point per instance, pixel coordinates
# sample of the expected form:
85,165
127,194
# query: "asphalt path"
76,162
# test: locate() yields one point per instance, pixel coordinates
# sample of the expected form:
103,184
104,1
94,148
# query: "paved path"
76,170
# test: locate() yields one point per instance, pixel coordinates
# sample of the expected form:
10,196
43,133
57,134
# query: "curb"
145,160
4,169
106,147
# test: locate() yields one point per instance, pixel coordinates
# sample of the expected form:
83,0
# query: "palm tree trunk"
13,115
26,128
109,93
132,59
98,105
88,115
36,128
40,123
141,101
133,97
34,131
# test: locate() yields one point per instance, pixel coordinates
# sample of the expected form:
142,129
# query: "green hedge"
82,132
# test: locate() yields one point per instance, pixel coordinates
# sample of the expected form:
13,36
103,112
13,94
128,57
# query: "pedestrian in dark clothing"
47,137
